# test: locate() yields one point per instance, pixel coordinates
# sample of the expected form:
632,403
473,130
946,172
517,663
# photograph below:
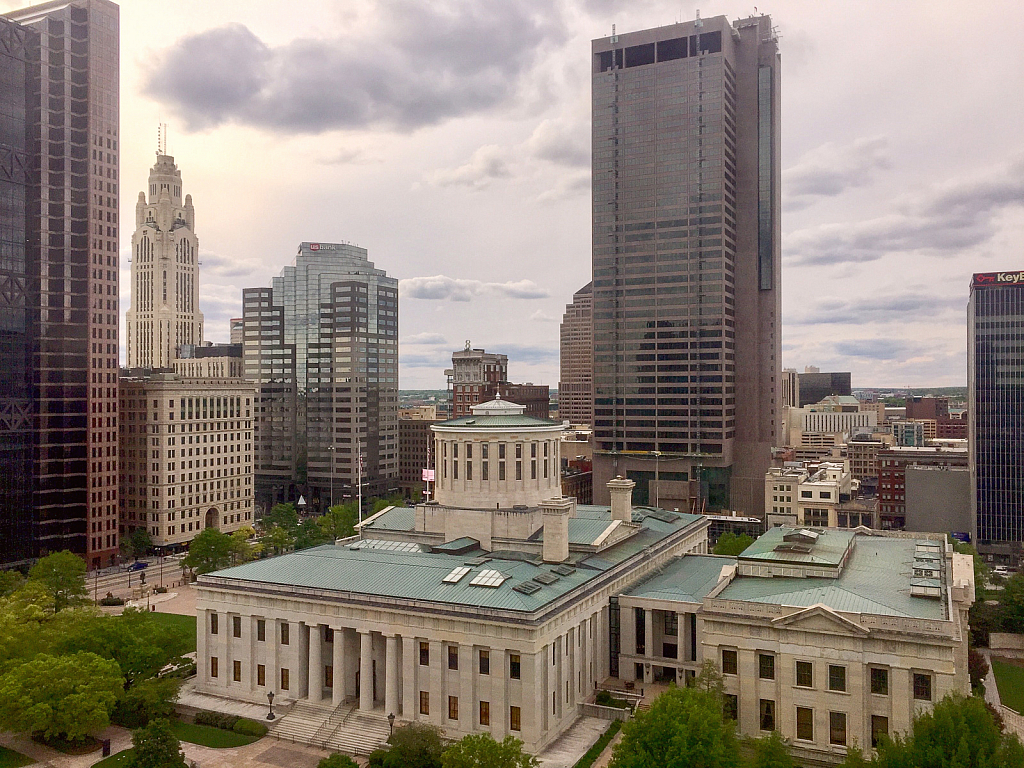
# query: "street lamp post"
657,479
331,454
270,699
391,722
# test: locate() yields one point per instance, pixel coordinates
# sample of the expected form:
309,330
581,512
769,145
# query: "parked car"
138,565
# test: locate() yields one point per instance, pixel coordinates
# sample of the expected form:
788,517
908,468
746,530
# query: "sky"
452,140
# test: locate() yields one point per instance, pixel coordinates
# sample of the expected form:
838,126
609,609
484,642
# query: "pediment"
820,618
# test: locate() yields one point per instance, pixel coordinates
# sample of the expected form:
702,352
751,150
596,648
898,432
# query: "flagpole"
359,460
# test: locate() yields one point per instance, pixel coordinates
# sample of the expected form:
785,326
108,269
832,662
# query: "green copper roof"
688,579
828,550
485,422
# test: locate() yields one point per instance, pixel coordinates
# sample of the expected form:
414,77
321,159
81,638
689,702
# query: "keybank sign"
983,279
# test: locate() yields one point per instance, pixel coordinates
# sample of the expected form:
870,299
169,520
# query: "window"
485,713
514,719
213,624
453,707
805,723
236,626
214,671
805,674
767,715
261,630
729,664
236,671
880,681
731,706
485,662
424,703
284,678
879,729
261,674
766,666
836,678
513,666
671,623
501,470
328,676
837,728
453,658
519,470
805,494
922,687
424,654
284,633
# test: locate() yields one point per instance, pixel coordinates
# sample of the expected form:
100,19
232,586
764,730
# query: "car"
138,565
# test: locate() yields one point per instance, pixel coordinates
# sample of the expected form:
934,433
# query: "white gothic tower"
164,312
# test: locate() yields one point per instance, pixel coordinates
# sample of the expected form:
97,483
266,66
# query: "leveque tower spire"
164,312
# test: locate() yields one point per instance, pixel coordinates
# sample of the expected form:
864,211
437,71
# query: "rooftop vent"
802,549
925,588
478,560
456,575
488,578
527,587
564,570
546,578
803,536
661,514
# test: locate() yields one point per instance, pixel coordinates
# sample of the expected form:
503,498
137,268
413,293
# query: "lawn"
177,621
117,760
11,759
208,736
1010,681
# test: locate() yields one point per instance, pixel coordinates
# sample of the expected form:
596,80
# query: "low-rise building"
938,498
186,455
414,456
892,465
832,638
209,361
807,494
862,453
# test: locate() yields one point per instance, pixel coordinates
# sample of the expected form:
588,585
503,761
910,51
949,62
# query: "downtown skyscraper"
995,409
322,347
59,143
686,261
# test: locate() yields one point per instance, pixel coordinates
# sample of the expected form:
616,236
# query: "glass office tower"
686,267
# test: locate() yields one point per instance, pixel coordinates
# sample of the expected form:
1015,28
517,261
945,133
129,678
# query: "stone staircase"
340,729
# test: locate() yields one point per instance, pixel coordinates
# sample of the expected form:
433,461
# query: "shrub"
598,747
111,600
337,760
159,590
376,758
248,727
216,719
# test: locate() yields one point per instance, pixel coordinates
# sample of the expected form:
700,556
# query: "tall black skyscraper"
686,238
995,352
59,274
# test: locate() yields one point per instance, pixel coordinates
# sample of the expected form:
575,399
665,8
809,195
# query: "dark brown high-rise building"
576,357
60,274
686,261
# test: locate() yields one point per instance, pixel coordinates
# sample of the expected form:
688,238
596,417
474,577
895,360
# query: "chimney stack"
556,514
622,499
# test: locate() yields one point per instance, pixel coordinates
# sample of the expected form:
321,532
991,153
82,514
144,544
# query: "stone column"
202,655
365,670
391,675
499,707
224,649
338,694
468,710
302,665
649,634
410,691
683,639
316,662
273,675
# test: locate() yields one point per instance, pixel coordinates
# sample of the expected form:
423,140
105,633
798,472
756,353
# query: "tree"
310,535
684,728
854,758
137,543
242,550
277,540
146,701
480,750
64,697
156,746
977,670
339,522
62,575
1011,603
337,760
958,731
283,515
710,680
416,745
771,752
730,543
209,551
389,501
10,582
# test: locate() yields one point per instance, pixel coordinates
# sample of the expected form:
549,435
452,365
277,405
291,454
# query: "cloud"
221,267
898,308
569,185
442,287
425,338
831,169
946,221
561,141
540,316
876,349
420,64
487,163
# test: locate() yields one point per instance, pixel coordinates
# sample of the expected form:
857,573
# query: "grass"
1010,681
208,736
116,760
11,759
178,622
595,751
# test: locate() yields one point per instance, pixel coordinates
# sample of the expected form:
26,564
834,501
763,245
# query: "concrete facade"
938,499
576,359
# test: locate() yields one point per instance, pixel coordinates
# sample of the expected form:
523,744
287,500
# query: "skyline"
896,163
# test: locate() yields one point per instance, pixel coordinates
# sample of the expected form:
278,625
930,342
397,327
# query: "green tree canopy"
209,551
480,750
388,501
137,543
771,752
10,582
337,760
1011,604
62,575
340,520
310,534
64,697
156,746
416,745
283,515
276,540
684,728
959,732
730,543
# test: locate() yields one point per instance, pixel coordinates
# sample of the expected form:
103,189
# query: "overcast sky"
451,139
